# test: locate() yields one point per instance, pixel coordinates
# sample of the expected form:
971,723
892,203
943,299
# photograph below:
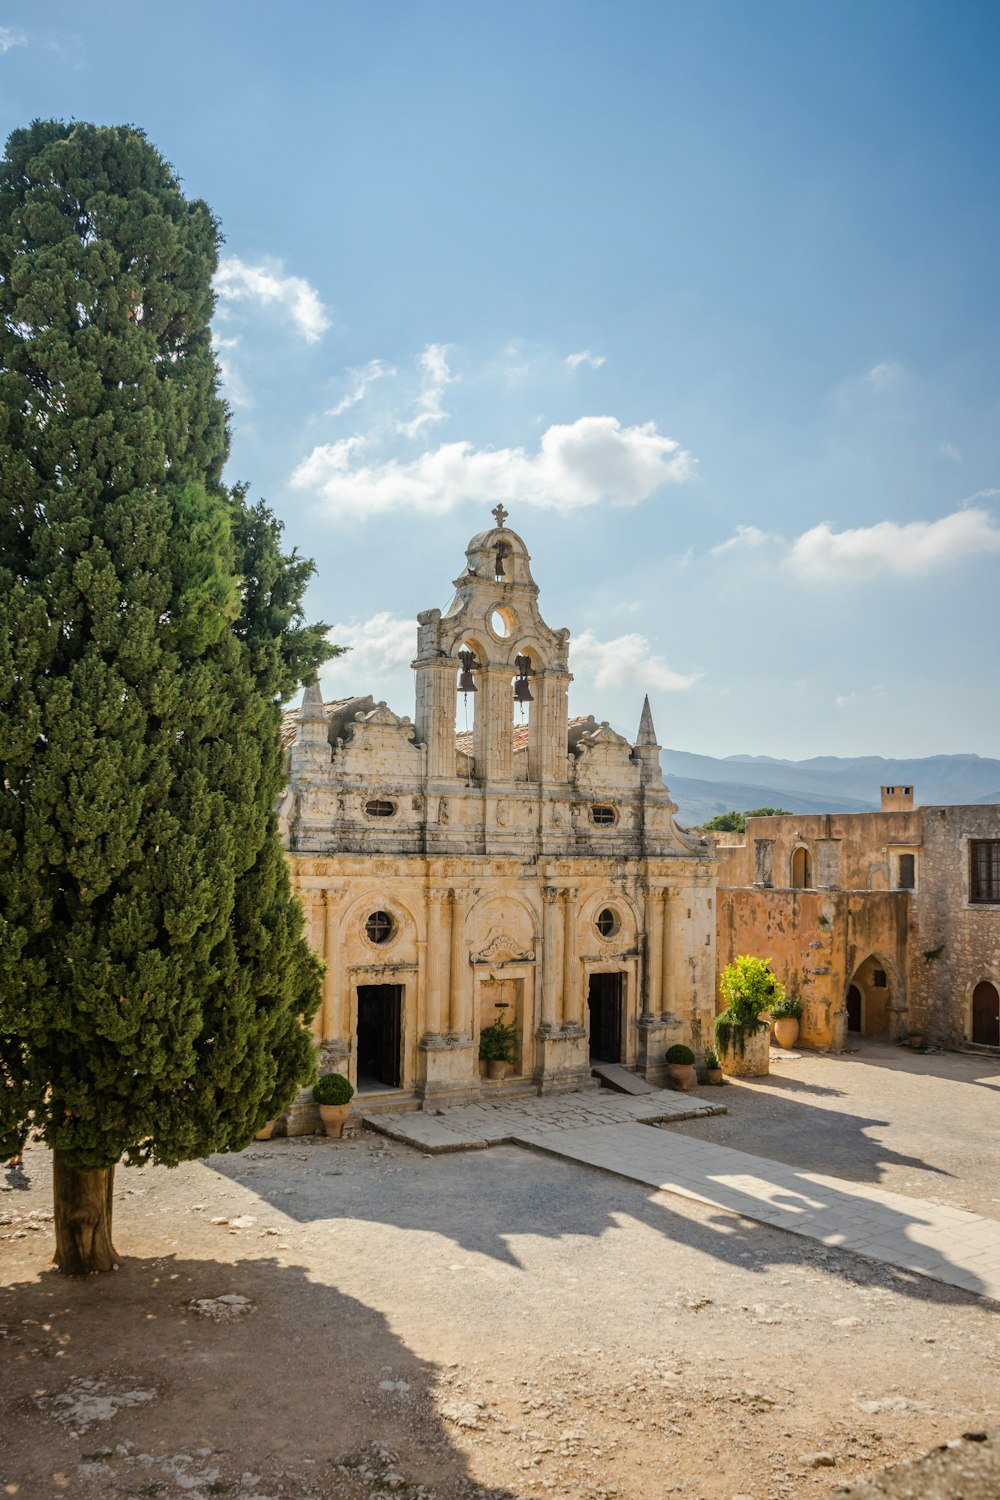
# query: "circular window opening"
380,807
379,927
604,817
502,623
606,923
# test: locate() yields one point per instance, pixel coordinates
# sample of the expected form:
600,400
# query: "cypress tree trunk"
83,1204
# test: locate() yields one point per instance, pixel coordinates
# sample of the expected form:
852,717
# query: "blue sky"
705,292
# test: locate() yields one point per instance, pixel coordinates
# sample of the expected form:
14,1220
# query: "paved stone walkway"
611,1132
472,1127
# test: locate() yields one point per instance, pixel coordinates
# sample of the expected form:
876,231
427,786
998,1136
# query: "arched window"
800,869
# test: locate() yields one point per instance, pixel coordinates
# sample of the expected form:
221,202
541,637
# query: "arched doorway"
871,999
800,869
986,1015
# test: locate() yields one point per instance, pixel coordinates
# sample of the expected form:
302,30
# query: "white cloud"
235,281
626,659
885,376
436,378
378,646
950,450
844,700
10,38
743,539
236,390
364,379
584,357
577,464
905,550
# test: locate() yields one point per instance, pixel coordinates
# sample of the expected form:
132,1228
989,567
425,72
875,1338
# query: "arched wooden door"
854,1008
986,1015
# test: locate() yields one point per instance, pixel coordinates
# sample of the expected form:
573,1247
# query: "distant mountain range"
703,786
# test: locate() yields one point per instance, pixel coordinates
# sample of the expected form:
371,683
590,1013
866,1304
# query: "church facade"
528,870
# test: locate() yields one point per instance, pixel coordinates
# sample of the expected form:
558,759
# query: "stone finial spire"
647,734
312,705
646,749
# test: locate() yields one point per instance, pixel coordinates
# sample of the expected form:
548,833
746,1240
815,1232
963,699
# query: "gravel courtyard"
502,1324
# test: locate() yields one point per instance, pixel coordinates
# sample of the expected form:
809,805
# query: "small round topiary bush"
680,1054
333,1088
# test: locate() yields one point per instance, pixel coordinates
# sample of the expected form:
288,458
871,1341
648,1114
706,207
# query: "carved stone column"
570,1009
460,986
435,965
335,1021
550,957
653,986
666,953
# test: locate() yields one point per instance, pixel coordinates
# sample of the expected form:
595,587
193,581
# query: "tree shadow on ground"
118,1385
798,1086
959,1067
487,1201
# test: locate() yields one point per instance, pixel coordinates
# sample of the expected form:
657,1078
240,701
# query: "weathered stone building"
880,922
531,871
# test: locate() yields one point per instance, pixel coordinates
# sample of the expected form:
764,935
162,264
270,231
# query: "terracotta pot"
714,1075
264,1133
786,1031
754,1061
498,1069
681,1075
334,1117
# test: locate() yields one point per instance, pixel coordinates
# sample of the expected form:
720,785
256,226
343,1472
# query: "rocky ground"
315,1319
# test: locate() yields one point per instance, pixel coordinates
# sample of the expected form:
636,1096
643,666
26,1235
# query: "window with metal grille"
907,872
607,922
602,816
984,871
379,927
878,979
380,807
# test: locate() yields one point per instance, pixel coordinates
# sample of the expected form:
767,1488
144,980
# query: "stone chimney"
897,798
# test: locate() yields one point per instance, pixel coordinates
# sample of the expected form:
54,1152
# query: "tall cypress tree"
154,979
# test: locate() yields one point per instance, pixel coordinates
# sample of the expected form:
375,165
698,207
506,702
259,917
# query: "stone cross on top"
501,515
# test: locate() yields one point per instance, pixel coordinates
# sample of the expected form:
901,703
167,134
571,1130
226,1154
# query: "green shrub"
748,986
498,1042
711,1058
788,1009
333,1088
678,1053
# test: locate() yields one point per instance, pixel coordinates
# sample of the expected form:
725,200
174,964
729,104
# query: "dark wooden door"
380,1014
854,1008
986,1015
604,1001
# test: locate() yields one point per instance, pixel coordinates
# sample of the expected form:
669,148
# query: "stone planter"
334,1117
498,1069
753,1062
786,1031
714,1075
681,1075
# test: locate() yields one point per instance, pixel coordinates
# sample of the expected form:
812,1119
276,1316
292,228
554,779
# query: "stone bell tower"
494,616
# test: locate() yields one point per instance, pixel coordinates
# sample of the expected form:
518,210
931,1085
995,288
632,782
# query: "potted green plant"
787,1016
712,1066
748,987
680,1066
333,1094
498,1047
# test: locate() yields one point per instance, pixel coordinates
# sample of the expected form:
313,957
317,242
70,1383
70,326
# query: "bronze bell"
498,571
466,682
522,692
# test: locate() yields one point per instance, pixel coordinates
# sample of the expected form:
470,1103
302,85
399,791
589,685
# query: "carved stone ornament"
503,948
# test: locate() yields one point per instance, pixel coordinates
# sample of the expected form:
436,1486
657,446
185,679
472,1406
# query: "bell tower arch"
495,615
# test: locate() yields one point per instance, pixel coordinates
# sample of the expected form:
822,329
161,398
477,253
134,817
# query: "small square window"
878,979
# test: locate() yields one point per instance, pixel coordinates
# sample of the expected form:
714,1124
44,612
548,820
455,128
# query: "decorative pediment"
503,949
